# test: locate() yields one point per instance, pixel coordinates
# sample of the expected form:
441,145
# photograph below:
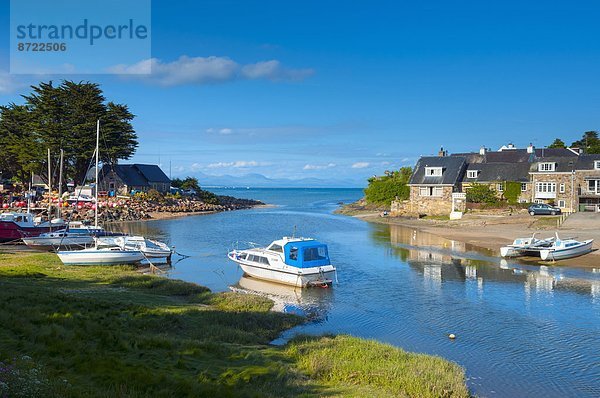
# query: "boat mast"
29,195
49,187
60,177
96,187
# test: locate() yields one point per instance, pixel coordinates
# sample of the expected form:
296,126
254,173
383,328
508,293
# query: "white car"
81,199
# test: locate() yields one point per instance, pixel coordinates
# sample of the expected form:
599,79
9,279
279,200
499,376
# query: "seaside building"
123,179
563,177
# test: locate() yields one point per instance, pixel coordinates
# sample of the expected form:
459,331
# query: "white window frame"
472,173
561,203
431,191
547,166
561,188
433,171
500,187
596,164
545,187
523,186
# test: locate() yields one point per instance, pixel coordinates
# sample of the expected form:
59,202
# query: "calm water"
522,330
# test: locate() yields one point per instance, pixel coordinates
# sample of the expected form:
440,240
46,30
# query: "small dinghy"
525,247
298,262
568,248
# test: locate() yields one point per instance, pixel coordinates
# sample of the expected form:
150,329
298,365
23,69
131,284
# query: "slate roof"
563,164
586,162
137,174
490,172
453,169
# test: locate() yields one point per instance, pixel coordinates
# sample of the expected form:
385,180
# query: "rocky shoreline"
136,209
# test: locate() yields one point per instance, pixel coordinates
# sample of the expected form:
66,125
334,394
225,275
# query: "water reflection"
312,303
439,259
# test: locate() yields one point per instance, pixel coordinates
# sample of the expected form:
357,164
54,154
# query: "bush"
480,193
382,190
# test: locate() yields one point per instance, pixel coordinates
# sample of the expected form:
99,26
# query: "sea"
521,330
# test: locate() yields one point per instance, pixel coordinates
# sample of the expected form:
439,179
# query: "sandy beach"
492,231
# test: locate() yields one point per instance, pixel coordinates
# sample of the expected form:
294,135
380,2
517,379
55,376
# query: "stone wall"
524,197
570,194
431,205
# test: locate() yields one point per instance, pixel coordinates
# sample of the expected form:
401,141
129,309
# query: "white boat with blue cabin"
299,262
567,248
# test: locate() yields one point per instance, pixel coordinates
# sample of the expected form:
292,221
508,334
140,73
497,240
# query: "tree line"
64,117
590,143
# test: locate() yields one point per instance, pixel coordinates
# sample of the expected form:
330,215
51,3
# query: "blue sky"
333,89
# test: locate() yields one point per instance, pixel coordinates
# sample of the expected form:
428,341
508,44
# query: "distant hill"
260,181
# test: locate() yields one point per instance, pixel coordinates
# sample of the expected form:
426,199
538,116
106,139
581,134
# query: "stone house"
497,175
563,177
432,183
124,179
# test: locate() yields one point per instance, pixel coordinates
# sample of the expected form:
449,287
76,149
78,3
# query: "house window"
545,187
597,164
547,167
431,191
472,173
594,186
500,187
561,203
562,188
523,186
433,171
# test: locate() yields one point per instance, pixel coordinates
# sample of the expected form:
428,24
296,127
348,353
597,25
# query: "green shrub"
512,191
382,190
481,193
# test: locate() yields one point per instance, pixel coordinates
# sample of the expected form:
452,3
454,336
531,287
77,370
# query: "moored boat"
150,248
100,256
525,246
567,248
77,235
298,262
14,226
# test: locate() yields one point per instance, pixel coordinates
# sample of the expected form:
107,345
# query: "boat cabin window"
264,260
276,248
315,253
258,259
294,253
243,256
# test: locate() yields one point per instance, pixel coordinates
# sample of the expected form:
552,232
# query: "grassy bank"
110,331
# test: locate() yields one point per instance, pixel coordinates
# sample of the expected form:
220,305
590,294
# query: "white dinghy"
568,248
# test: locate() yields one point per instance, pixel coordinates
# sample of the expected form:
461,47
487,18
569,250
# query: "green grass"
544,222
110,331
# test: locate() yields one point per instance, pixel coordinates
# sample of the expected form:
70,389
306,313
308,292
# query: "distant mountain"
255,180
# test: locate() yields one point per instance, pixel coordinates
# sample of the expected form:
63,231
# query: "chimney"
442,153
482,150
530,148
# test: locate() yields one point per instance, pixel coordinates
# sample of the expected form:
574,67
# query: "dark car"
543,208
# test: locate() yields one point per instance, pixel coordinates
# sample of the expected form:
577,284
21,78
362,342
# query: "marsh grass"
110,331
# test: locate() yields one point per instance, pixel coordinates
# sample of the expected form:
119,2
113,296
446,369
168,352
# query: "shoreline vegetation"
112,331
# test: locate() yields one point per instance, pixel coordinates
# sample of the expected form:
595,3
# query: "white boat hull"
570,252
100,257
298,277
41,243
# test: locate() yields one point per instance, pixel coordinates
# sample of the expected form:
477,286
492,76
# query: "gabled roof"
452,166
137,174
490,172
586,162
152,173
563,164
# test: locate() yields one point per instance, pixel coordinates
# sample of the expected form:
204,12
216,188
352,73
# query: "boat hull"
10,231
297,280
100,257
576,251
51,244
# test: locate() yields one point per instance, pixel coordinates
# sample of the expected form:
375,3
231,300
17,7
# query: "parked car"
543,208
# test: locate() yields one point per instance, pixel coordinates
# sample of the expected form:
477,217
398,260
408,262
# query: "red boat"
14,226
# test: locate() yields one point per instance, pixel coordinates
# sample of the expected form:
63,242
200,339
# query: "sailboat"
100,254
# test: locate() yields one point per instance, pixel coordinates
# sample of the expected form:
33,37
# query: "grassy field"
110,331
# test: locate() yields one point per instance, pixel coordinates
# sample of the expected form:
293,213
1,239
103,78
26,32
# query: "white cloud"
360,165
318,166
223,131
273,70
206,70
237,164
